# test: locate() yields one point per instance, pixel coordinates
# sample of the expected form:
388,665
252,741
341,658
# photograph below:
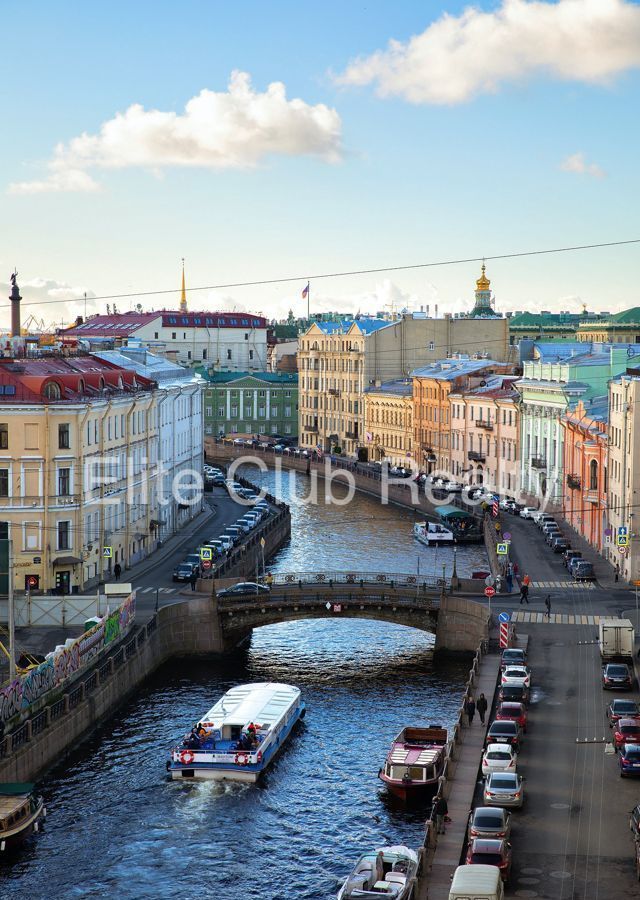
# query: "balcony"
351,435
537,462
476,456
312,428
591,496
480,423
334,392
574,482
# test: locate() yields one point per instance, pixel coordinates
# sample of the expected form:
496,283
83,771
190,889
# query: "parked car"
226,540
219,545
582,570
542,518
452,486
513,692
622,709
499,758
629,759
560,544
512,710
513,656
568,555
515,509
504,731
503,789
244,588
245,527
193,558
634,821
626,731
183,572
489,852
517,675
489,822
527,512
617,677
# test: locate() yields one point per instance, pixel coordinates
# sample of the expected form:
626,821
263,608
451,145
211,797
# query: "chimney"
436,312
15,298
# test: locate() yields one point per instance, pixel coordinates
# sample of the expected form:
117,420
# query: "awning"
66,561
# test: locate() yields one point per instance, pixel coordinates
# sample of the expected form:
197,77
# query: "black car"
504,731
560,545
244,588
513,693
568,555
513,656
616,677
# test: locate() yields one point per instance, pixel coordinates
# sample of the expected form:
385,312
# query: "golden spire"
482,284
183,295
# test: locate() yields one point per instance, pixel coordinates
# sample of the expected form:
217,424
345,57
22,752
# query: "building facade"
78,469
624,471
262,404
548,326
585,453
389,421
621,328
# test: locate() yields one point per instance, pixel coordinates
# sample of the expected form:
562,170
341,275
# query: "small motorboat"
387,872
21,812
415,762
430,533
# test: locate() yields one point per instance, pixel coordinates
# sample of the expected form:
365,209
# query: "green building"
547,326
260,403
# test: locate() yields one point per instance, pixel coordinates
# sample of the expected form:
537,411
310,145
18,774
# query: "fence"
361,578
67,611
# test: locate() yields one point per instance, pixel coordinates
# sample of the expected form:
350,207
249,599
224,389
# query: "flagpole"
308,302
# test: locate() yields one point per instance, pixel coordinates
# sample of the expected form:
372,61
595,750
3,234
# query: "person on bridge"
482,706
269,579
193,579
547,603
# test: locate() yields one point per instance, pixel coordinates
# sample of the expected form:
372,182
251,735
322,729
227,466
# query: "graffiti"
37,682
127,612
66,661
112,628
10,700
91,643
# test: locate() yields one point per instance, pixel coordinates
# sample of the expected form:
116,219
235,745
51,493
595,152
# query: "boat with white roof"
239,737
430,533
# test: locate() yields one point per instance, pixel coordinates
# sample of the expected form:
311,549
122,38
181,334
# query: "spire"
183,294
482,284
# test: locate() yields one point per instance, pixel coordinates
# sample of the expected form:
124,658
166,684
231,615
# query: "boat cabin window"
416,773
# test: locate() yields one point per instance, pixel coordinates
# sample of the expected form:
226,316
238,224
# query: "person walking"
616,572
193,578
470,709
441,810
482,706
547,603
117,571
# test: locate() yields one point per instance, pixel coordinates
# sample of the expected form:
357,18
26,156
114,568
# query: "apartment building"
243,403
623,471
585,454
389,421
78,468
621,328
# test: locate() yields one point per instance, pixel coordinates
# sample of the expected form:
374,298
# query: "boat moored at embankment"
21,812
239,737
429,533
415,762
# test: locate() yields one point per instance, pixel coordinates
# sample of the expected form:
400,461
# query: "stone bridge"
458,623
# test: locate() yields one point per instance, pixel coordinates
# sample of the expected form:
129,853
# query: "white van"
476,883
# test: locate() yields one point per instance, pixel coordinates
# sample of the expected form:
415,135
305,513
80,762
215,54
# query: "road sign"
622,536
206,553
37,559
504,635
504,617
107,552
623,550
206,564
507,535
502,549
489,581
489,591
337,607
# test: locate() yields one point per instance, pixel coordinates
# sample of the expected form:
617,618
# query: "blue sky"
394,171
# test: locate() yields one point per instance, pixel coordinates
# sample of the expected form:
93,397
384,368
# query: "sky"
267,141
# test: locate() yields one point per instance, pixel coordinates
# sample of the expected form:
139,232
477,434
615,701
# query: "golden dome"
482,284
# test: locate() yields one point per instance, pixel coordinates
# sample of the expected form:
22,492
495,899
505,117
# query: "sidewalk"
436,881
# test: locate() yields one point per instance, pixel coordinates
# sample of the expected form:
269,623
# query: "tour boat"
429,533
239,736
21,812
415,761
387,872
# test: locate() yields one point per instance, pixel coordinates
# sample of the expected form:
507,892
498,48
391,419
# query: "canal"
117,828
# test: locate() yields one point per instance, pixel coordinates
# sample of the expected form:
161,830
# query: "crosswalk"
583,585
152,590
520,616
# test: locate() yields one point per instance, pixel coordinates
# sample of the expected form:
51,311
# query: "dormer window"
52,391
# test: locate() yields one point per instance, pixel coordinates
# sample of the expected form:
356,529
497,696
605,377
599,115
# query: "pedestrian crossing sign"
107,552
206,554
622,536
502,549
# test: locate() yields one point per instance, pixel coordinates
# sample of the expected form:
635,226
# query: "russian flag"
305,292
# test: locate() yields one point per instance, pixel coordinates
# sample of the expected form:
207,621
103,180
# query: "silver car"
503,789
489,822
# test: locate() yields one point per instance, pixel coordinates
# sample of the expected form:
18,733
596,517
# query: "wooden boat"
415,761
21,812
240,735
387,872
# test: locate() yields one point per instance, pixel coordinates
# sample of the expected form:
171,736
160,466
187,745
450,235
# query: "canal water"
116,828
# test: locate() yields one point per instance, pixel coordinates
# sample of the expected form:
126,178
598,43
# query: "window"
593,475
287,393
261,411
64,482
234,410
262,393
287,411
4,437
432,346
188,354
63,437
250,354
63,536
208,410
261,429
248,411
287,429
274,411
173,335
246,336
155,334
204,354
221,411
229,354
4,482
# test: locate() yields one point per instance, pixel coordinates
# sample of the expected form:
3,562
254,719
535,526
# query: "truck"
616,639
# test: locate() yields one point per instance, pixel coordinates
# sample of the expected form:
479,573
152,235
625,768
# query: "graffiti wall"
17,696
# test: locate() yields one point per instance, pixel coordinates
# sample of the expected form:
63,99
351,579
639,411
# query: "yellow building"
622,328
78,469
389,421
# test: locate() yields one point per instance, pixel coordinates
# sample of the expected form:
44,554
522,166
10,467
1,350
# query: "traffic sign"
504,617
107,552
489,591
623,550
206,564
504,635
622,536
507,535
502,549
489,581
206,553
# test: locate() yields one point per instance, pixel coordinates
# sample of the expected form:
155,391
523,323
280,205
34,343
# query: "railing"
359,578
480,423
592,495
351,435
312,428
538,462
574,482
476,456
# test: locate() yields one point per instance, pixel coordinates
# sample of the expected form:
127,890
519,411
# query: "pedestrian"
470,709
498,584
482,706
617,572
269,579
441,809
547,603
509,582
117,571
193,578
524,593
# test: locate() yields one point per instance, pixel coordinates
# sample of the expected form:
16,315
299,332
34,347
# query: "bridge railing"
358,578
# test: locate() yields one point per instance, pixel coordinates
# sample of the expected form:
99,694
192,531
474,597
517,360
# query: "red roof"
119,325
59,379
122,325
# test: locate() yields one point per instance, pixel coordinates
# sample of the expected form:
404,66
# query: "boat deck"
414,754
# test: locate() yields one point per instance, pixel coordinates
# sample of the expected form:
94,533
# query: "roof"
119,325
212,320
285,378
399,388
477,878
260,703
448,510
148,364
124,324
342,326
16,788
450,369
625,317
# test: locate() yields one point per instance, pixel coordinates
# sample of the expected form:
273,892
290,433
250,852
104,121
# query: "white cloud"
457,58
38,292
578,164
217,130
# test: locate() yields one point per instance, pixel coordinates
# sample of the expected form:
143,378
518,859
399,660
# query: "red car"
509,709
489,852
626,731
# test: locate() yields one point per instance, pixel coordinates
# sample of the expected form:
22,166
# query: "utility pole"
11,618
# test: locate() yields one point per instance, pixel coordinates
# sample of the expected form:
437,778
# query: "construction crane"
33,323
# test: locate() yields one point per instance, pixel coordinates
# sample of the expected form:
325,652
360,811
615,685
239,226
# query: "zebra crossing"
520,616
583,585
152,590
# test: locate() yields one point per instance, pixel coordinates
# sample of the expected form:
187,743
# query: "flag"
495,507
368,435
305,292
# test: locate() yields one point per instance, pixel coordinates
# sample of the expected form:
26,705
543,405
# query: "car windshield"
515,671
487,859
621,706
630,729
488,820
617,670
498,754
632,753
507,727
503,781
510,709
